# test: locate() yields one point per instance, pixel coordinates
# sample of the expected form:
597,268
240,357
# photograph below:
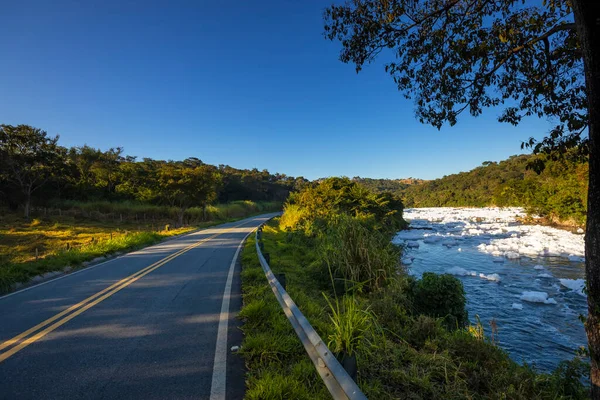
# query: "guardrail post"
349,364
282,280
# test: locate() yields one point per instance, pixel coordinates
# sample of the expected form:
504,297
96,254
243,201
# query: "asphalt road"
141,326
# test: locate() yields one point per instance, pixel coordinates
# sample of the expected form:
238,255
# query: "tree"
28,159
106,168
457,55
183,187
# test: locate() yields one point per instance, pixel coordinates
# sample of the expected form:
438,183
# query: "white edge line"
66,275
219,377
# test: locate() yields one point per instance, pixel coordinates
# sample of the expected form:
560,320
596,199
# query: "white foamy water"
528,278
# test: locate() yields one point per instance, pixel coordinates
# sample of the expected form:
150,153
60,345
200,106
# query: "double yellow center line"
23,340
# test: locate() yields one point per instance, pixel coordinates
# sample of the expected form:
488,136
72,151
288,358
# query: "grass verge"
278,367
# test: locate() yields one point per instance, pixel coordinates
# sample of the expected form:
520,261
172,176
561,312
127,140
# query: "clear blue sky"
244,83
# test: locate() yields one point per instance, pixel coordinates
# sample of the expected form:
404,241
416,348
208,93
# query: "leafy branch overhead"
454,56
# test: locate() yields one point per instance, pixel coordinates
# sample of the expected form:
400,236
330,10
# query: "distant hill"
397,186
559,192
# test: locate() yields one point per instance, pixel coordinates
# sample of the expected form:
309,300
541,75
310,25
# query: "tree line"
36,170
557,191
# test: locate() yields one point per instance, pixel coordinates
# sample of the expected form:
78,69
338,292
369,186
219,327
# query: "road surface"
153,324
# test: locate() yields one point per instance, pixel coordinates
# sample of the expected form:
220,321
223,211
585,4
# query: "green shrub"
139,211
314,207
392,305
441,296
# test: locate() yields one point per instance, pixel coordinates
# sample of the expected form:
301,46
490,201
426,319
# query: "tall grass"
352,326
363,258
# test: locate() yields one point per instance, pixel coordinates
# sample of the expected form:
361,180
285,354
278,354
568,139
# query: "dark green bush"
441,296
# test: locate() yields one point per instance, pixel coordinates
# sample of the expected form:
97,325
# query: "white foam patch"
490,277
461,272
458,271
535,241
576,285
537,297
498,230
409,234
517,306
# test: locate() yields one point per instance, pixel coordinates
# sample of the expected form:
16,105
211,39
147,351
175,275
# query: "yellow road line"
12,341
93,300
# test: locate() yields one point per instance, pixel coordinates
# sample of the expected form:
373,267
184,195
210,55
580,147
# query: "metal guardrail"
338,381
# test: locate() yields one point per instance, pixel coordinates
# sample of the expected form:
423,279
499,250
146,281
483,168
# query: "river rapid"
528,278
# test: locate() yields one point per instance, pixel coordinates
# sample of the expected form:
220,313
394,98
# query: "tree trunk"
27,206
180,215
587,20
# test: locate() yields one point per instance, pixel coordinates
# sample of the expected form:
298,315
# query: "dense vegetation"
558,192
410,337
36,172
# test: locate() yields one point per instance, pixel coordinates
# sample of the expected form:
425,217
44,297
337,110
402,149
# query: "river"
528,278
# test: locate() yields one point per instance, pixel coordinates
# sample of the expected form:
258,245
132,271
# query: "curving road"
152,324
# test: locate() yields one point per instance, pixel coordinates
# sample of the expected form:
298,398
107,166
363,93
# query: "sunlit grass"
51,243
43,245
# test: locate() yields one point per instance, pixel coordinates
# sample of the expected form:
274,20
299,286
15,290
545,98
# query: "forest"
37,173
545,185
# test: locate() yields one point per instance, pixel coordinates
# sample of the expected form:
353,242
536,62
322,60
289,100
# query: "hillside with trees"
387,185
558,192
549,186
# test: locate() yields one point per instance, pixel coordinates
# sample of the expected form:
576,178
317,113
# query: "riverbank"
570,225
407,352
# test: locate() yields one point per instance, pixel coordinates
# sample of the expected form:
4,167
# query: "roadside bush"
567,377
291,218
441,296
313,208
